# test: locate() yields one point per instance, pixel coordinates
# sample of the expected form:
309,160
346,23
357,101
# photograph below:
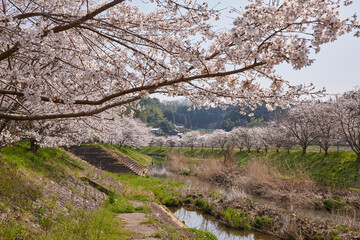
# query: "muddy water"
195,219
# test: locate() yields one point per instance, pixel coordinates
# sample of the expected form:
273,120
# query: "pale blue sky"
336,66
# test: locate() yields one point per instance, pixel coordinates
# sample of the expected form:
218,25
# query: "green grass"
98,224
337,169
17,167
21,174
195,153
237,218
46,162
165,191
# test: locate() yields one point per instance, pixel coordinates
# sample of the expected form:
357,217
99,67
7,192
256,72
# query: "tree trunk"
33,146
303,150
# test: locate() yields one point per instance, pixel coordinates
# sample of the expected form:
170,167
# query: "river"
195,219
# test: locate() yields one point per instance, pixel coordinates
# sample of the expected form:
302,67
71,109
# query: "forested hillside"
166,115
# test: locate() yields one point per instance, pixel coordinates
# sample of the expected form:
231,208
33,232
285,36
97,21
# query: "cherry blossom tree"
248,141
105,128
348,115
158,141
210,140
72,58
300,122
191,139
275,135
172,141
255,135
326,125
238,137
225,141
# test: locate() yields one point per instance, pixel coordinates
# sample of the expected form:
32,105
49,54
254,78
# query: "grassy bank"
43,196
337,169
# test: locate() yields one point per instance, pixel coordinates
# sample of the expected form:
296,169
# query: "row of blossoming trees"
323,123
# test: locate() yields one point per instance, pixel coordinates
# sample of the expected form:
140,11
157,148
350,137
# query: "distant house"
174,132
179,126
156,131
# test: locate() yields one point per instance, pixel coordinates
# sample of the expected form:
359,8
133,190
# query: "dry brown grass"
202,168
207,168
177,162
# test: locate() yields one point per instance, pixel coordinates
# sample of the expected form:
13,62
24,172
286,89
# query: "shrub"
237,218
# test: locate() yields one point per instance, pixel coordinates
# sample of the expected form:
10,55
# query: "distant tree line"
326,124
165,115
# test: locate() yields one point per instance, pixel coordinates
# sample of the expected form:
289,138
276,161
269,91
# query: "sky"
336,66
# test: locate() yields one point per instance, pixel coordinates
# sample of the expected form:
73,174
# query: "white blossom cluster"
68,59
105,128
74,58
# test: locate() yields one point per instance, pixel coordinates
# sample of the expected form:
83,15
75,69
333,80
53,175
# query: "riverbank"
52,194
262,196
337,169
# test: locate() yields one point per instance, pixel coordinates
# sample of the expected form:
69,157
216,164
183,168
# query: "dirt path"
142,224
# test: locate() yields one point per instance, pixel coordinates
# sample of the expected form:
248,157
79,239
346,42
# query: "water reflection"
159,170
194,219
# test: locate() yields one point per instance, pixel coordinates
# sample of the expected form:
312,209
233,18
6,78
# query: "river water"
198,220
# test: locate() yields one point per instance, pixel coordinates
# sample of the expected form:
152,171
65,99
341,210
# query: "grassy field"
337,169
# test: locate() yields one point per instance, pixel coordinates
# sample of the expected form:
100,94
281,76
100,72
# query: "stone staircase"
135,167
99,158
108,160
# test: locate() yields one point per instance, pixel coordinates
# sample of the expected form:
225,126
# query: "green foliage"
121,204
335,203
165,190
237,218
170,201
201,235
204,205
188,152
234,118
262,222
337,169
153,115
